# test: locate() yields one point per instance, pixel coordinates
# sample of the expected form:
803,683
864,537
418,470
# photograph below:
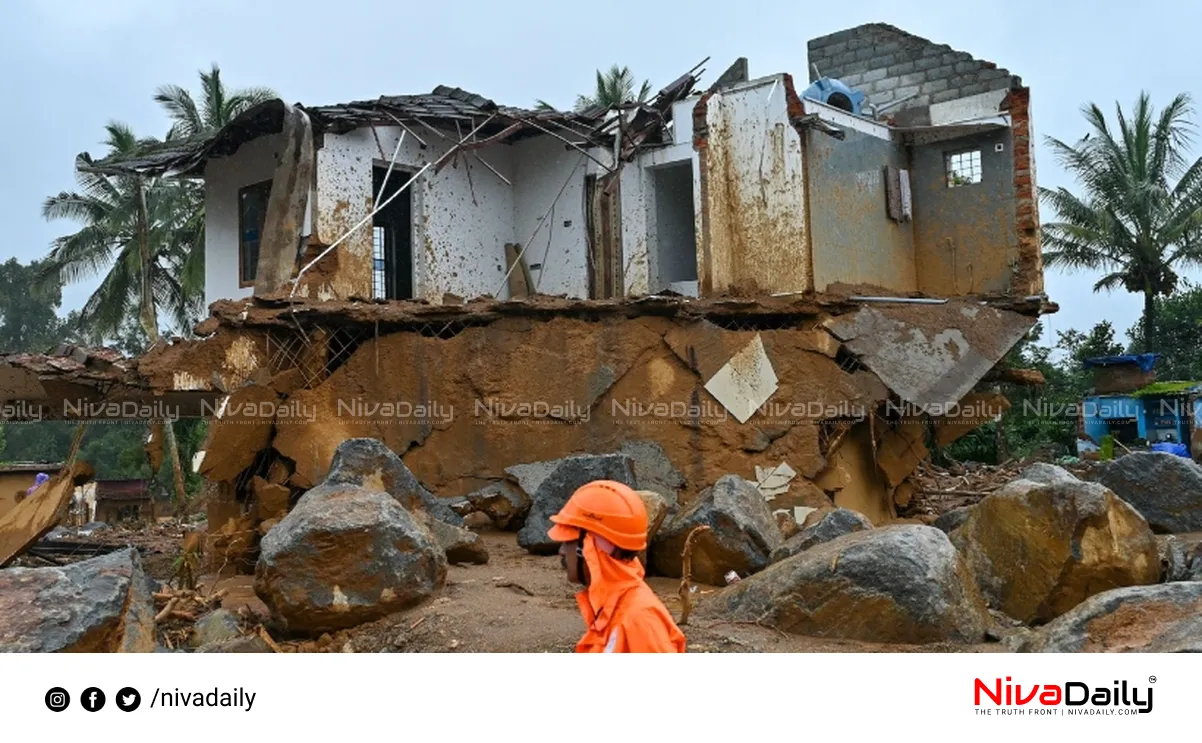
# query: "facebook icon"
92,699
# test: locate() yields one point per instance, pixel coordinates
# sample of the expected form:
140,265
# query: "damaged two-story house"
749,276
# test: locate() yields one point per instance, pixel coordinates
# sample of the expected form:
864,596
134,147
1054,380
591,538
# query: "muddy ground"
519,603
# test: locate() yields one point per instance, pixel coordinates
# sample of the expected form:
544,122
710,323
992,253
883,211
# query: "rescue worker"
601,530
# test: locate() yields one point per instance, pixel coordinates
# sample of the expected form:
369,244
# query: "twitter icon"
128,699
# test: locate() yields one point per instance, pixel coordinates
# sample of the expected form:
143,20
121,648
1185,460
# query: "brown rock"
271,501
657,510
901,449
1046,542
1141,619
242,431
278,472
343,556
788,525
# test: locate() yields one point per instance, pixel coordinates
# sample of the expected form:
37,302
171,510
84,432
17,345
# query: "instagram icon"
57,699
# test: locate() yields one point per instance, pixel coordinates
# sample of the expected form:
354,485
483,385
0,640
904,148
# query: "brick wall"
887,63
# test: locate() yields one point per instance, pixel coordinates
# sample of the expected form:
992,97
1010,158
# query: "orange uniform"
622,613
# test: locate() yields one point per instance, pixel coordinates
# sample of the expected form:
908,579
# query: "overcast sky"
72,65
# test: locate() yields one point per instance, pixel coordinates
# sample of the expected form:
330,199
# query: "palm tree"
141,230
1139,217
217,108
613,89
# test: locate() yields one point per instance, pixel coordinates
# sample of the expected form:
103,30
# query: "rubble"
505,504
98,605
1174,560
830,526
743,533
368,463
1048,541
213,628
553,492
1136,619
898,584
242,427
343,556
1165,489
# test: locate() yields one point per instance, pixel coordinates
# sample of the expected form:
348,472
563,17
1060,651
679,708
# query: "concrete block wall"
887,64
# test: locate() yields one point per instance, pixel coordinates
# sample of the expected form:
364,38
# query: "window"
252,209
963,168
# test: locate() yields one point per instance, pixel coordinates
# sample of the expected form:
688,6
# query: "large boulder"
368,463
1174,559
743,533
1144,619
832,525
1047,541
561,480
895,584
102,605
346,555
952,520
1164,488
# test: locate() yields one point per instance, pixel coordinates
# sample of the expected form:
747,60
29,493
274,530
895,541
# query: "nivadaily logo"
1071,697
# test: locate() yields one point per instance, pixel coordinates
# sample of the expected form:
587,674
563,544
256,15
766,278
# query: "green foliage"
613,88
217,107
1139,216
29,322
1178,330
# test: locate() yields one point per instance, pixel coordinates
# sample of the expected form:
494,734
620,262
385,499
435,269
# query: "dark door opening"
675,232
392,238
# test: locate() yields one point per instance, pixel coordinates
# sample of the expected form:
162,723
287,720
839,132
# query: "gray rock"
832,525
952,520
100,605
1037,549
503,502
1166,618
1047,474
1174,562
653,469
555,489
743,533
216,626
1165,489
246,644
345,555
530,475
460,545
895,584
368,463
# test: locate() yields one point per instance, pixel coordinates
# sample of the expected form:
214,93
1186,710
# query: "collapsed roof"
444,108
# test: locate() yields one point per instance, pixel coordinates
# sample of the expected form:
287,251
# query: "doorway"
675,231
392,238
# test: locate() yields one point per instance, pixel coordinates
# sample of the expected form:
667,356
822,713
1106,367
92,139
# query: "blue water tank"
834,93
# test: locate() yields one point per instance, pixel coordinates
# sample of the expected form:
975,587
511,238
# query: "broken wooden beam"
285,218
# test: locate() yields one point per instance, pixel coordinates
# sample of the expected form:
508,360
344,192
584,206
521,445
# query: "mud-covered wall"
965,237
461,410
752,189
854,240
254,162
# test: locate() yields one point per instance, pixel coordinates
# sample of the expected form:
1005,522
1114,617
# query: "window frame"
949,171
265,186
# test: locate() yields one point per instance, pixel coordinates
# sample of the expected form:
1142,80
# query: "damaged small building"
750,277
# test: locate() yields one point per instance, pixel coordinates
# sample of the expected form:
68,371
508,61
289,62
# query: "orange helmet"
606,508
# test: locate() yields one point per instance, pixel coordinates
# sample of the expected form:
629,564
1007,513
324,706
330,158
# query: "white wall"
463,214
254,161
541,167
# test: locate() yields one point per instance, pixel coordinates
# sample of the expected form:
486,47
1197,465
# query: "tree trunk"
150,324
1149,321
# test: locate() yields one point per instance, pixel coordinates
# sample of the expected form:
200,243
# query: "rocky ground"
1032,558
